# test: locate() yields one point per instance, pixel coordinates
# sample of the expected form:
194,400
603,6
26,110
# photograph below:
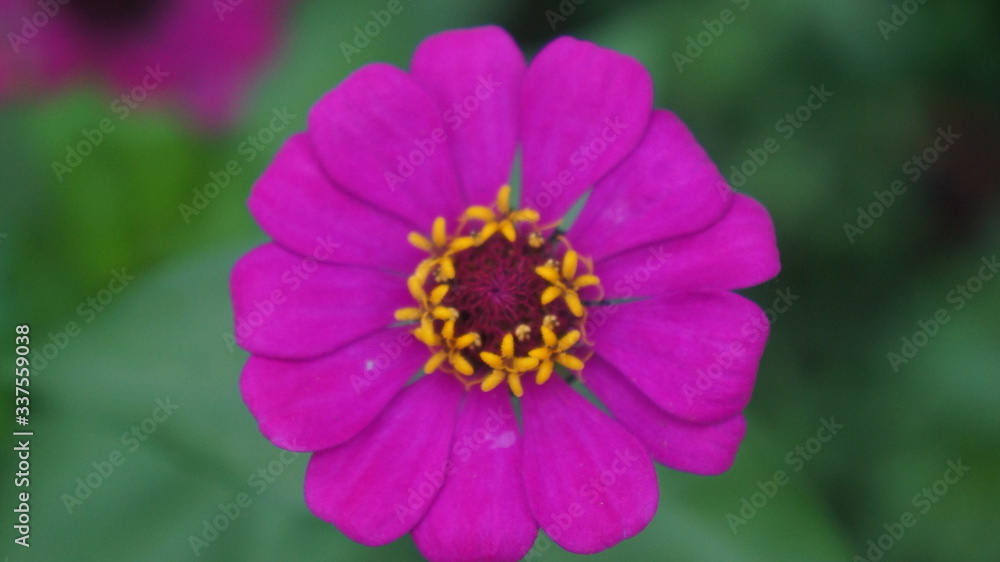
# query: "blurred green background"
857,292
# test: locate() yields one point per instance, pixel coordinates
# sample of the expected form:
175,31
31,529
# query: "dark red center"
496,290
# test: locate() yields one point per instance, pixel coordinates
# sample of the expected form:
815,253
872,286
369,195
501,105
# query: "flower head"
203,53
366,286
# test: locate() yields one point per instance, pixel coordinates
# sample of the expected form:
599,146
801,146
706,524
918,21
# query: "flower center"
499,302
496,290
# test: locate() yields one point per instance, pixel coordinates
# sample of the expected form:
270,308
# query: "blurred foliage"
827,357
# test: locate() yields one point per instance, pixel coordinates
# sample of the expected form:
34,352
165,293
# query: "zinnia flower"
205,53
421,331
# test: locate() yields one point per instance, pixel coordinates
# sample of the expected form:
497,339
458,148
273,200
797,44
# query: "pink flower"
397,247
204,53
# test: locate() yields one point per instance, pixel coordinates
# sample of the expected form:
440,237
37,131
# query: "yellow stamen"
514,382
550,294
563,283
441,250
506,366
481,213
420,242
454,346
409,313
492,381
554,351
430,308
503,199
569,265
448,347
434,362
503,220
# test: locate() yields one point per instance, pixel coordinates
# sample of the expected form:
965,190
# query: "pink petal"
694,354
667,187
482,511
318,403
302,210
474,75
583,109
378,485
738,251
287,306
590,483
700,449
381,138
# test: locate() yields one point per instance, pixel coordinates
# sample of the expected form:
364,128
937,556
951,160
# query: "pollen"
522,332
495,308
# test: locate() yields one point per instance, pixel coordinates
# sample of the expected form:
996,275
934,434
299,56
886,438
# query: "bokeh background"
900,73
